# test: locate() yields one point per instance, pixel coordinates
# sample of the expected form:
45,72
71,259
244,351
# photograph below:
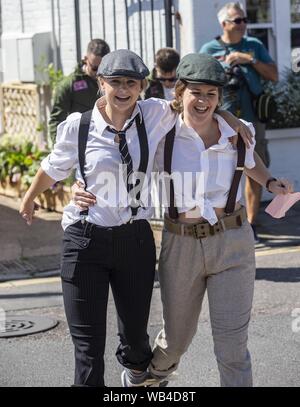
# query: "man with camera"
247,63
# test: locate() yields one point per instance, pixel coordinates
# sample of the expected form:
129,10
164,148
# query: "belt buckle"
195,231
211,230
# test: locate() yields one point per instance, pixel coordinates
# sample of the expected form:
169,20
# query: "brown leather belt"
204,229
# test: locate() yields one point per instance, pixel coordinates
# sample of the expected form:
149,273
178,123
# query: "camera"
235,77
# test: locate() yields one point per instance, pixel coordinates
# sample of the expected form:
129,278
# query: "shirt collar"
225,130
186,130
101,124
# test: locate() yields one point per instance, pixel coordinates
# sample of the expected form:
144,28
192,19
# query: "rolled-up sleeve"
64,156
249,159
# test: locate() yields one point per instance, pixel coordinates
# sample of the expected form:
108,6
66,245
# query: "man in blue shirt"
247,62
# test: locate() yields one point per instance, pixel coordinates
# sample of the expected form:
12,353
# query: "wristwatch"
253,61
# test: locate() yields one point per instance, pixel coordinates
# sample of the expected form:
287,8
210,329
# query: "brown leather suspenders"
241,150
230,205
168,152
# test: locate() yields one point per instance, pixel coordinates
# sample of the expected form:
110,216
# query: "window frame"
270,27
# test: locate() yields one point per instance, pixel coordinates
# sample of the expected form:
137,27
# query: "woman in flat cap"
207,242
111,242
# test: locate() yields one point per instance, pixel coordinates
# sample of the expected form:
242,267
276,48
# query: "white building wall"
36,16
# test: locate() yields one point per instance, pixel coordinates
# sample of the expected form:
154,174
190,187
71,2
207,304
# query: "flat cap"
201,68
123,62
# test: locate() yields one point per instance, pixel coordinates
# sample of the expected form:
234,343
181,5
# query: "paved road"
47,359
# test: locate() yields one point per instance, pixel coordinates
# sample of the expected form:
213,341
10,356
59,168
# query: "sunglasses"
239,20
174,79
93,67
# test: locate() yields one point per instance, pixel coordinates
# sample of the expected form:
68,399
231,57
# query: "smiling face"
121,92
199,102
231,27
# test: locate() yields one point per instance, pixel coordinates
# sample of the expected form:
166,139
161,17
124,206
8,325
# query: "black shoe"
256,238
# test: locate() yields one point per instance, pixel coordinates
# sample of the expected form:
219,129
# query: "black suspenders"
230,205
82,140
144,157
144,148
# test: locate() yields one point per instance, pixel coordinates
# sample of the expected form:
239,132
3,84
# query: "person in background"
163,77
247,62
78,92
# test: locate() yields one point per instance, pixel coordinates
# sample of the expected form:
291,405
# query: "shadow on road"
29,295
282,275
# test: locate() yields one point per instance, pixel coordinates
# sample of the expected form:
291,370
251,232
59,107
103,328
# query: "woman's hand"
281,187
239,127
82,199
27,210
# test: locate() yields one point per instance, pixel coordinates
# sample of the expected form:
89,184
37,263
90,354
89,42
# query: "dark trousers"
93,258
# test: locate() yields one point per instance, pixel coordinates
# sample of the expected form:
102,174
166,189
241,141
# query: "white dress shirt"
208,172
103,159
169,93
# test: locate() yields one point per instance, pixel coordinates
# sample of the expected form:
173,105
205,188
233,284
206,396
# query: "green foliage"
51,76
19,159
55,76
287,96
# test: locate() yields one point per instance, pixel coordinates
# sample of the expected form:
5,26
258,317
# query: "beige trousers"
224,265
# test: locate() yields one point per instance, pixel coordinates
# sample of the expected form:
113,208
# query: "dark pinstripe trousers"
93,258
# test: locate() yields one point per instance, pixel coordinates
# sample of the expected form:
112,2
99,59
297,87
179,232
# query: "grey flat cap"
123,62
201,68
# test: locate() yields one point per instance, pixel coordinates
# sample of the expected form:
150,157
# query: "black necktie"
124,152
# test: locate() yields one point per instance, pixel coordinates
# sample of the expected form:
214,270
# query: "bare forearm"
40,183
267,71
259,173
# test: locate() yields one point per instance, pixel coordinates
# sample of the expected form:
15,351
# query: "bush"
287,96
19,159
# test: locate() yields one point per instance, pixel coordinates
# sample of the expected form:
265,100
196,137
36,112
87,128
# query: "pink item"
80,85
281,204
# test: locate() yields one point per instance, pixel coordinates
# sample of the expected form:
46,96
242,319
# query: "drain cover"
14,326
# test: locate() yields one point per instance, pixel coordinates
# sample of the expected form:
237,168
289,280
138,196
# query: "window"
260,16
259,11
295,40
295,11
261,34
295,26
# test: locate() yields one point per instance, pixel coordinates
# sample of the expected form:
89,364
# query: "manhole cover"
14,326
